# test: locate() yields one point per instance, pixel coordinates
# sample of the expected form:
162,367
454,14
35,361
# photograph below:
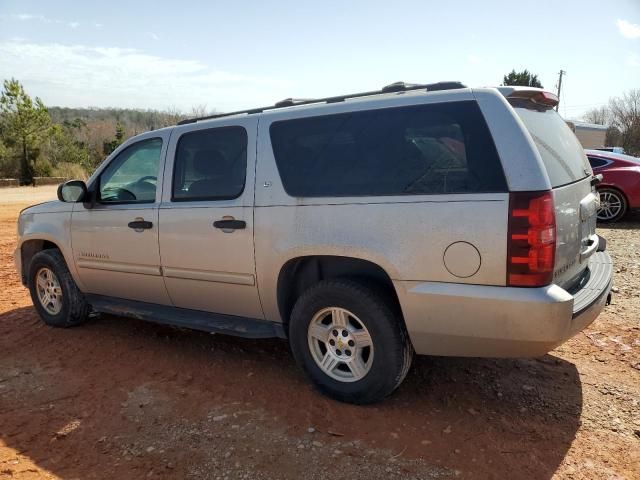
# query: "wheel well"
28,250
298,274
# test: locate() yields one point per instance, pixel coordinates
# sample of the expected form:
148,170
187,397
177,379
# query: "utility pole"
562,72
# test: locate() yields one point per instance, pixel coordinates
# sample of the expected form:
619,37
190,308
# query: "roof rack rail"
292,102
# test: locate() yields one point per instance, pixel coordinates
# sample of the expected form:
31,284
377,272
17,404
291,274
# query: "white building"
590,135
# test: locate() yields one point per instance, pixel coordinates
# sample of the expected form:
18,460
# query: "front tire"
55,295
351,342
613,205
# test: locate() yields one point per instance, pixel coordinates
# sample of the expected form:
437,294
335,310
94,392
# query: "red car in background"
620,186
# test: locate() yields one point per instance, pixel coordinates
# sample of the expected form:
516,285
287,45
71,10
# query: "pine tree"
23,122
524,79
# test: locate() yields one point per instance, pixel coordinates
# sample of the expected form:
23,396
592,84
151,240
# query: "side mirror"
72,191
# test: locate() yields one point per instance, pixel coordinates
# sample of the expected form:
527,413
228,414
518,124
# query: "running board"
184,317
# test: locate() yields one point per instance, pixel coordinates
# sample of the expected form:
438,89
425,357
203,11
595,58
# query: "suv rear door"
570,175
206,218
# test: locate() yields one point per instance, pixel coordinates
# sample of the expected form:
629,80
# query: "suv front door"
206,218
115,241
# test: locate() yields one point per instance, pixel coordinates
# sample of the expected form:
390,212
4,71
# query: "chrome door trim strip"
118,267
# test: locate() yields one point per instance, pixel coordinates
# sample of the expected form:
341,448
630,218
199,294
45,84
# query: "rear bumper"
489,321
593,294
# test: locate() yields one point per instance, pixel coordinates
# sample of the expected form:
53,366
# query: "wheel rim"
49,291
611,204
340,344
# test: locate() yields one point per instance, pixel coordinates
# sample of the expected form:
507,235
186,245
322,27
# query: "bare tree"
612,138
172,115
625,117
199,110
599,115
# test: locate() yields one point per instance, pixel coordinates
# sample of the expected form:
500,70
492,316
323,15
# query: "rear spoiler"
535,95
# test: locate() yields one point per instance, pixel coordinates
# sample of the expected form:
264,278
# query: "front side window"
132,177
417,150
210,164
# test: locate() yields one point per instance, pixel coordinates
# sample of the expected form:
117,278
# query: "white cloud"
628,29
153,36
26,17
78,75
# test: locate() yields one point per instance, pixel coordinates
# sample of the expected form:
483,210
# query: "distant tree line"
622,117
36,140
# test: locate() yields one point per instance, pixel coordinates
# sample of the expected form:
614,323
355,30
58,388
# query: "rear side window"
417,150
210,164
597,162
561,151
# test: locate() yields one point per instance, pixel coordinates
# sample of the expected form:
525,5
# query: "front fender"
52,227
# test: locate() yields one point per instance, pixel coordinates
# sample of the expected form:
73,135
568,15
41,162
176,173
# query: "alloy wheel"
49,291
340,344
611,204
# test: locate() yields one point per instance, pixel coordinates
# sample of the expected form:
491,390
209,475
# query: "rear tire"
613,205
55,295
351,342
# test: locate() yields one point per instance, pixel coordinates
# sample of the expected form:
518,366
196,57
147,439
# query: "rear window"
561,151
417,150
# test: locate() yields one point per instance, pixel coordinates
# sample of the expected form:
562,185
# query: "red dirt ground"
119,398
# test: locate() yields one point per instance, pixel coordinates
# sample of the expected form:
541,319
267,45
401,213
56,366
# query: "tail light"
532,239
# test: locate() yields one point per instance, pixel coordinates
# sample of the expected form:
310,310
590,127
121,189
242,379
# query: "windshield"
561,151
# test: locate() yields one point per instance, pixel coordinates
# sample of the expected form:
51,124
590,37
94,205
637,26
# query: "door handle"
230,224
140,225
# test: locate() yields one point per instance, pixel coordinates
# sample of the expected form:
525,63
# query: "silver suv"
434,218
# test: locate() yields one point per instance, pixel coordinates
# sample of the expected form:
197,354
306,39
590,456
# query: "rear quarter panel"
407,240
624,178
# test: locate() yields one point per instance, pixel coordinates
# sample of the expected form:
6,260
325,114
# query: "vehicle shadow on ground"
63,392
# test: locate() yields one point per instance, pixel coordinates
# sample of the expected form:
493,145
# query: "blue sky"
229,55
